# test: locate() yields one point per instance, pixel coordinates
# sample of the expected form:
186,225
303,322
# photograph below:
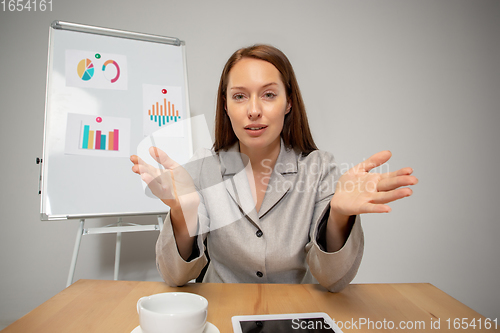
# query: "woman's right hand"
173,186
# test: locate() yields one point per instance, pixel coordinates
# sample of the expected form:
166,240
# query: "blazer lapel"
281,180
236,172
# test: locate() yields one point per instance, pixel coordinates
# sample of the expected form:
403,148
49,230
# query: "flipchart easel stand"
152,59
117,228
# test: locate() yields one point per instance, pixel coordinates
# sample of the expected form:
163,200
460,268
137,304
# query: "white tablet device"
318,322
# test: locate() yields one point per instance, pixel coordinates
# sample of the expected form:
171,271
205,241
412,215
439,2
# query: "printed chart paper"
91,135
87,69
162,106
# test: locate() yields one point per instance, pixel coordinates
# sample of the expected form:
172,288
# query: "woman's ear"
288,106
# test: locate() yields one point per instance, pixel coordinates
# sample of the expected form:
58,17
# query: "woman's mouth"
255,130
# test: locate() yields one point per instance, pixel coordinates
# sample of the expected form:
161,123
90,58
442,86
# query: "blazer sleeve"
333,270
172,267
174,270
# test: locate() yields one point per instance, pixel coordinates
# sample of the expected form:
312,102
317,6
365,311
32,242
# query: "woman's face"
256,104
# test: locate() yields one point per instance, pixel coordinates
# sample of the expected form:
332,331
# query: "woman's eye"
269,95
238,97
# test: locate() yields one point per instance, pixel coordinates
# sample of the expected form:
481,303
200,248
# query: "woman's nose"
254,109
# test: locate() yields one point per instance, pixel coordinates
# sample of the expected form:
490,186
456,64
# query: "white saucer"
209,328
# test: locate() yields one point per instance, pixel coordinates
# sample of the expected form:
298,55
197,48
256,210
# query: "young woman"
295,230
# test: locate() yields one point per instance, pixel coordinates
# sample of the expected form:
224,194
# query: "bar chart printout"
163,113
163,106
95,135
98,139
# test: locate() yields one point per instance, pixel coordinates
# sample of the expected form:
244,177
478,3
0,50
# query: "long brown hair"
295,133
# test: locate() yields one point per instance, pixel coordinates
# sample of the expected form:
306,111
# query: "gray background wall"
420,78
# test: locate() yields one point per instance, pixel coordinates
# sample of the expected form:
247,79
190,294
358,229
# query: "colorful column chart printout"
162,106
88,69
91,135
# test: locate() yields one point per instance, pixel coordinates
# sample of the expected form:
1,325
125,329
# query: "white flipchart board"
107,92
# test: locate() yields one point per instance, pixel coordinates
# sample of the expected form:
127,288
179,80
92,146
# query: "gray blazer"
282,243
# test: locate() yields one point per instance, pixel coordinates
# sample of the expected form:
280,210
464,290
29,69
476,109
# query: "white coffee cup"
172,312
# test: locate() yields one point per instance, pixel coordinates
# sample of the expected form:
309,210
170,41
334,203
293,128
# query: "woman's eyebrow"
264,86
270,84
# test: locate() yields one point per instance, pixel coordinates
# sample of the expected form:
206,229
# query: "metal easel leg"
160,222
117,250
75,253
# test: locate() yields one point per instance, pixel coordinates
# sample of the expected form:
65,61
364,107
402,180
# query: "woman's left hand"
358,191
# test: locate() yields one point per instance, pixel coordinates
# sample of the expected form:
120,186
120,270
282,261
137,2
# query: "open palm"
173,185
358,191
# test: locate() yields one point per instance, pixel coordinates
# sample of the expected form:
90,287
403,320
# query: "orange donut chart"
117,69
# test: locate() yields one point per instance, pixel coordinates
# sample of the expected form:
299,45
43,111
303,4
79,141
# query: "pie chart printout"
96,70
85,69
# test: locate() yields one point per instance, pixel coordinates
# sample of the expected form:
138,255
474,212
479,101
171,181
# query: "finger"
161,157
135,169
374,161
375,208
392,183
136,160
401,172
160,186
158,181
390,196
141,167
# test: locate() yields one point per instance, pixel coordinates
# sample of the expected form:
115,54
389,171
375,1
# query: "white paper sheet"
91,135
97,70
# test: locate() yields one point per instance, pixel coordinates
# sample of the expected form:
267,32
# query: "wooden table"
110,306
